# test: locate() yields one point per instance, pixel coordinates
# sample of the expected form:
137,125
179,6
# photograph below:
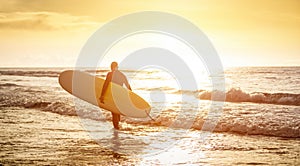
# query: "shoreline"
35,137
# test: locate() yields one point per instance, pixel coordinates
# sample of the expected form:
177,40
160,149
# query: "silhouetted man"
116,77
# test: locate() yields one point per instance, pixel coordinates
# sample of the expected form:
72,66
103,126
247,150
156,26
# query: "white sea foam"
237,95
249,118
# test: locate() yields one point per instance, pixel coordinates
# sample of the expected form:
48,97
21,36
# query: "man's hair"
113,65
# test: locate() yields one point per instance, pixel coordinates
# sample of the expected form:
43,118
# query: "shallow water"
44,125
35,137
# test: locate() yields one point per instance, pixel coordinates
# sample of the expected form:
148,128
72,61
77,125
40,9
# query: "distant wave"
8,85
54,72
35,73
237,95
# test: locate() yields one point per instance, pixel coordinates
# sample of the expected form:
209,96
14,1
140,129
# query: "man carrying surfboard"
116,77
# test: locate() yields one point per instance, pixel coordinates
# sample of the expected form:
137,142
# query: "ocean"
257,124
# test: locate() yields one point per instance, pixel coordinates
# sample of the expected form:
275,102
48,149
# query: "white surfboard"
117,99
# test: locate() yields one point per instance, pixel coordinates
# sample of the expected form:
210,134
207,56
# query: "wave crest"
237,95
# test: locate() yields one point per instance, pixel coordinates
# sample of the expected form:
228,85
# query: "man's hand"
101,99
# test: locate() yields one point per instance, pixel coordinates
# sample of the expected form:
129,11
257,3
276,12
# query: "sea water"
258,123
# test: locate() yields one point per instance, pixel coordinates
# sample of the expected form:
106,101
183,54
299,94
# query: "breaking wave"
241,122
269,121
237,95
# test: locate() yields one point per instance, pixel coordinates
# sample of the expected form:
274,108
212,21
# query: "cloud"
44,21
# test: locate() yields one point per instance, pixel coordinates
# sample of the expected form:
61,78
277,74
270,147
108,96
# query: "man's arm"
105,85
127,84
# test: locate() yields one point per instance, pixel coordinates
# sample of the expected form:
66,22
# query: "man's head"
114,66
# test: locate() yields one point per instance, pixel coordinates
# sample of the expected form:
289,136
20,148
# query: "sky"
51,33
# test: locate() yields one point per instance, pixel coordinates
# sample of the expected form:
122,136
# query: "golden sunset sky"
50,33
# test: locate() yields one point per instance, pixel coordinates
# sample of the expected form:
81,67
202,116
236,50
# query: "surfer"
116,77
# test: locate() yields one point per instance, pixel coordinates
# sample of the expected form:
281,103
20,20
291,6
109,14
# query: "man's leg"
115,119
